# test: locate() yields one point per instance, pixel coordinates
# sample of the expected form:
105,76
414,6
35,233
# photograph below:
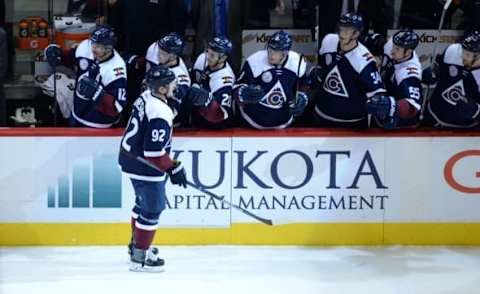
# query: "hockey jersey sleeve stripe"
373,93
118,106
154,153
414,103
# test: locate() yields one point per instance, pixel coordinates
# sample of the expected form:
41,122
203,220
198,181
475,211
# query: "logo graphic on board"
95,185
456,182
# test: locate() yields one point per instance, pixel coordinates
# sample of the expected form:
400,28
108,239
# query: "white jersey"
112,75
180,70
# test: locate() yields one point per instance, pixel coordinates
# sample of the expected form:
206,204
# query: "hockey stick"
201,189
428,91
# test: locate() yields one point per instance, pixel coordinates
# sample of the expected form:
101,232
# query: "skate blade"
135,267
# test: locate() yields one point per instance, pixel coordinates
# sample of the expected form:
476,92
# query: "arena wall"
319,187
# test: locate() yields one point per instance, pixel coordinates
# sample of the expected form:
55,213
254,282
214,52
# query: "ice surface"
243,269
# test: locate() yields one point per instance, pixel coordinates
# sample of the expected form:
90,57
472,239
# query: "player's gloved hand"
199,97
250,94
314,76
90,88
381,106
177,174
53,54
297,107
93,70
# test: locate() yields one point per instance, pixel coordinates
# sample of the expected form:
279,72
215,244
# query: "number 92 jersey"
148,134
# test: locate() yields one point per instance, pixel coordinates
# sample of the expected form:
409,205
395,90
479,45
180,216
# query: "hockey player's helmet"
221,45
103,35
406,38
159,76
280,41
472,42
351,20
172,43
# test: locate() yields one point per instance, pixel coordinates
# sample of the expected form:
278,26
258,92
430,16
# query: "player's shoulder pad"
453,54
329,44
157,109
222,78
411,68
181,72
113,69
359,57
293,62
200,62
258,62
152,53
84,50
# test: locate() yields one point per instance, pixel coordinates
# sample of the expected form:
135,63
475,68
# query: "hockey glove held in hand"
298,106
199,97
250,94
90,88
177,174
381,106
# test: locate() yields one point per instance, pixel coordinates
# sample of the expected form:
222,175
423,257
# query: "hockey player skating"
401,72
211,93
455,103
100,92
148,135
347,77
271,85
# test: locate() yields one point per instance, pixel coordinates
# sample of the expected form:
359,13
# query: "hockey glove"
250,94
381,106
199,97
177,174
93,70
53,53
298,106
90,88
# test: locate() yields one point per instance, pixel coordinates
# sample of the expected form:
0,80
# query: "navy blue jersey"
348,80
403,80
112,76
183,82
220,83
279,82
455,101
148,134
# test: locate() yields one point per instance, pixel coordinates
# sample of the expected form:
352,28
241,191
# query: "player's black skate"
130,249
145,260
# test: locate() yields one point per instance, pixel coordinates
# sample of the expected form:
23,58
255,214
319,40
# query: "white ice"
243,269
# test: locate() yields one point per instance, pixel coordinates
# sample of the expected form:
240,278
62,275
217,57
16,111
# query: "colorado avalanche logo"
334,84
454,93
275,97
